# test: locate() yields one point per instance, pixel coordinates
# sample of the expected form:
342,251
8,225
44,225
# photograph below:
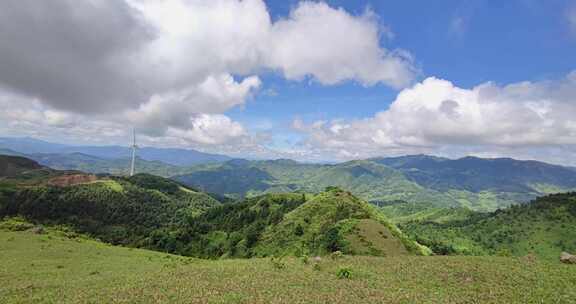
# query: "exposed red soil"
72,179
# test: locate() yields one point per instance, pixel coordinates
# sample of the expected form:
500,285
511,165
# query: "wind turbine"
134,147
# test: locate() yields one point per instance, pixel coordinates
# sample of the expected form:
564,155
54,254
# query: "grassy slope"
55,269
308,227
370,237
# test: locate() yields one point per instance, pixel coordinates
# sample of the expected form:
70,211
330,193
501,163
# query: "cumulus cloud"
22,116
178,65
333,46
436,114
178,109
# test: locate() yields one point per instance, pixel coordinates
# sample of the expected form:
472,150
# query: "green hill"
335,220
544,227
475,183
288,224
116,209
56,267
12,166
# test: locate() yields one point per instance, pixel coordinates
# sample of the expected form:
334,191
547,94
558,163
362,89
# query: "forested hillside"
288,224
544,227
117,210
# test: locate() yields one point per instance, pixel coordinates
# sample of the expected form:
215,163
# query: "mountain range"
171,156
429,182
475,183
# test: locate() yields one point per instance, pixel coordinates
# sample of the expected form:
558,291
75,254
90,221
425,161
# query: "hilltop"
11,166
335,220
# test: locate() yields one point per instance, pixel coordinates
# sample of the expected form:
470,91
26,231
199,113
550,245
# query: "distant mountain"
175,157
477,174
474,183
11,166
93,164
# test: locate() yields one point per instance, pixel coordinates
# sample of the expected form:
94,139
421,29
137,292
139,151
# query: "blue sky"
466,42
311,80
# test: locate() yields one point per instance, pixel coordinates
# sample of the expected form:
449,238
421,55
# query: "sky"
308,80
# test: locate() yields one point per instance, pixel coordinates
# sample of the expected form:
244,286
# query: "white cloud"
175,109
435,114
24,116
334,46
209,129
163,65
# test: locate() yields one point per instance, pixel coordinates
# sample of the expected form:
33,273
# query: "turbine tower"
134,147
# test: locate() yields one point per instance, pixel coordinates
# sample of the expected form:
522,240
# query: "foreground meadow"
55,268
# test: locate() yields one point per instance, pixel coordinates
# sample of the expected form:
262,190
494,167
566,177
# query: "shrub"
344,273
15,224
305,259
277,263
336,255
504,252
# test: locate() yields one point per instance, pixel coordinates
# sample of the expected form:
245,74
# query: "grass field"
51,268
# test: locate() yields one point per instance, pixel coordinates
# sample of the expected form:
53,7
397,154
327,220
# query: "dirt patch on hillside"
72,179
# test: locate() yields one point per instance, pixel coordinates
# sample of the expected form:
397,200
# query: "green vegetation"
324,224
473,183
56,268
156,213
544,227
228,230
51,250
402,212
282,224
120,211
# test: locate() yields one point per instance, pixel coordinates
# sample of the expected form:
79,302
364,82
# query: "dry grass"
369,237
